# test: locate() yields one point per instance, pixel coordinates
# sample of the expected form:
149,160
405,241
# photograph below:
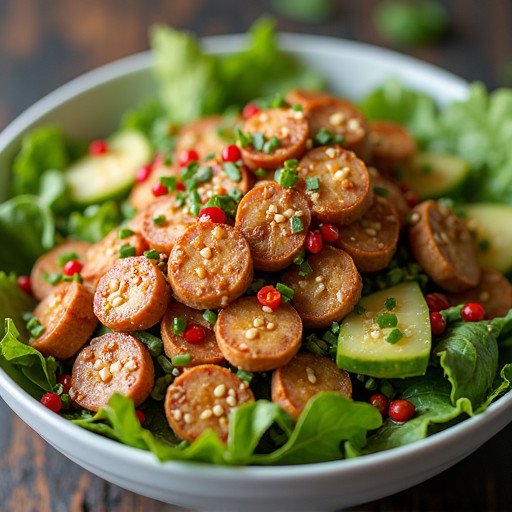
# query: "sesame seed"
177,415
243,347
231,401
113,285
98,364
118,301
206,253
218,410
370,231
258,321
311,375
375,334
299,213
187,418
231,392
319,279
284,131
207,413
201,272
115,367
271,326
289,213
266,309
130,365
353,125
219,233
219,390
315,196
330,152
279,218
302,284
272,208
251,333
105,374
298,114
337,118
338,296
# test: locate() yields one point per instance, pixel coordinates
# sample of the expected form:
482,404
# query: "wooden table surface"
43,44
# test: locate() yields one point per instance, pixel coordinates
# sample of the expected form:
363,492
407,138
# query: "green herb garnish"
394,336
179,324
127,250
387,320
232,171
286,292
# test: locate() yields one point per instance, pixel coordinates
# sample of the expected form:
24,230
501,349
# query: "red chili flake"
213,214
250,110
159,190
437,323
187,156
143,172
270,297
330,233
314,242
140,416
98,147
401,410
65,380
194,333
51,401
24,284
473,312
436,301
72,267
231,153
381,402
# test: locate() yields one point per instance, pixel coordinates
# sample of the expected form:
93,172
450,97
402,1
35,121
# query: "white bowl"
90,106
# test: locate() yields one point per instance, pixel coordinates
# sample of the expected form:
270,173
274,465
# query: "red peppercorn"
159,190
98,147
51,401
140,416
24,284
330,233
72,267
381,402
180,186
401,410
143,172
194,333
437,323
65,380
314,242
231,153
187,156
436,301
213,214
473,312
270,297
249,110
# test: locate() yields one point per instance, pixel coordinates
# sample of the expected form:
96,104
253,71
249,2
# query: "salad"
264,273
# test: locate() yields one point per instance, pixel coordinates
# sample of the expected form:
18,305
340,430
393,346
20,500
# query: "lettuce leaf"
95,222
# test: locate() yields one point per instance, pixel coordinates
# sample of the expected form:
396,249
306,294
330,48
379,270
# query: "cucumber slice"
491,222
95,178
362,345
434,175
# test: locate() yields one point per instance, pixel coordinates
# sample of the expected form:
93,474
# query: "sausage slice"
442,245
342,193
48,264
372,240
303,96
205,351
274,220
340,117
210,265
256,340
306,375
132,295
112,363
202,398
290,129
68,320
162,223
494,292
330,292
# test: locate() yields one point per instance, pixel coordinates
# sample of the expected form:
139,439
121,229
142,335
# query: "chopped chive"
125,233
330,338
189,171
381,191
181,360
153,343
34,326
335,327
260,172
258,140
322,138
127,250
387,320
286,177
277,102
180,199
210,316
296,224
370,384
211,156
244,138
194,202
359,310
236,194
152,254
286,292
394,336
75,277
65,257
305,269
245,376
165,364
179,324
232,171
169,182
159,220
312,183
203,174
256,286
271,144
291,163
299,257
53,279
297,107
390,303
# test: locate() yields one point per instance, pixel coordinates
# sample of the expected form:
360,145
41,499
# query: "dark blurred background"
45,43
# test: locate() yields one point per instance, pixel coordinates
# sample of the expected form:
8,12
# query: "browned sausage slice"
68,320
103,254
289,127
255,339
48,264
391,145
330,292
372,240
210,265
303,96
275,221
202,398
340,117
162,223
343,193
442,245
132,295
112,363
494,292
205,351
306,375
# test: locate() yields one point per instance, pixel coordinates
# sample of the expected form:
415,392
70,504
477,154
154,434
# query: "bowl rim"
303,43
